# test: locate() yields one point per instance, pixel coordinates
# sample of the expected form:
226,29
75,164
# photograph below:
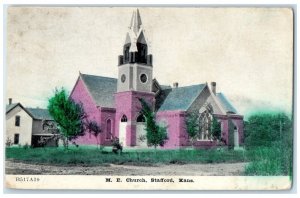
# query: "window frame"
124,118
208,122
17,121
17,135
146,76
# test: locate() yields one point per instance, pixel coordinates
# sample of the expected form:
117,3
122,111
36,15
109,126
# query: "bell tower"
134,82
135,65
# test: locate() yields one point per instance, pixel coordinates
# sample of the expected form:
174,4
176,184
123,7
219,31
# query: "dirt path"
227,169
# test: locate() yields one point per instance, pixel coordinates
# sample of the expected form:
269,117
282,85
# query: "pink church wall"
177,134
224,126
130,135
237,121
173,120
94,113
127,103
107,113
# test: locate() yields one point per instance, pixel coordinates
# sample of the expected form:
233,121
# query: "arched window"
108,129
140,118
142,49
142,53
124,118
126,52
205,122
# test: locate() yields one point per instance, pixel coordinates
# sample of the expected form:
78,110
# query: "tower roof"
135,31
135,48
136,21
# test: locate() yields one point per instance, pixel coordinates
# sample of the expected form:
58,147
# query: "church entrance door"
141,139
122,130
122,133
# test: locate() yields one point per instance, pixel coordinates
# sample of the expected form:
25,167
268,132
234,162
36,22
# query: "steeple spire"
135,49
136,22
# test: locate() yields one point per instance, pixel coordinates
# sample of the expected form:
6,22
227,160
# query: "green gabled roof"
180,98
225,103
101,88
39,114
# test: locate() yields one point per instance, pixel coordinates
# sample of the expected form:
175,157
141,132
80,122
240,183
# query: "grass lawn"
92,156
267,161
264,161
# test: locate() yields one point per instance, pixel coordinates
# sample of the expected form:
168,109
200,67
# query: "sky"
248,52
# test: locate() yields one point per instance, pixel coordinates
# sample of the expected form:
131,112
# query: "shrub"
117,147
26,146
265,128
269,140
156,135
8,142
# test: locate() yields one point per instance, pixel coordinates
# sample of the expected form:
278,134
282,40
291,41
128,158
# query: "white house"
27,125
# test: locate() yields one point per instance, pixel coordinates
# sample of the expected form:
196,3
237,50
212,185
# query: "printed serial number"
27,179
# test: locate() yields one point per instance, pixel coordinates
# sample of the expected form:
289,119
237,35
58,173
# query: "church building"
114,102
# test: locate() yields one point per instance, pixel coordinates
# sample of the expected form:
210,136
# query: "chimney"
213,87
10,101
175,85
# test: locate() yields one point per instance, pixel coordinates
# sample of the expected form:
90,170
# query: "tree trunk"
66,142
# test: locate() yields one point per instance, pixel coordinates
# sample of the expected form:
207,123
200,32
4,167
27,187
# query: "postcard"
149,98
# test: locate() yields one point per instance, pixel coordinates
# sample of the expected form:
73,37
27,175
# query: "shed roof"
101,88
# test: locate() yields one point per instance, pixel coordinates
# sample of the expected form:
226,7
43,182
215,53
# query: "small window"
126,52
143,78
123,78
16,138
140,118
17,121
124,118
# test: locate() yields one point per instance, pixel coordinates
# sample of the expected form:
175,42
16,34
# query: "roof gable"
157,88
101,88
181,98
11,106
226,103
